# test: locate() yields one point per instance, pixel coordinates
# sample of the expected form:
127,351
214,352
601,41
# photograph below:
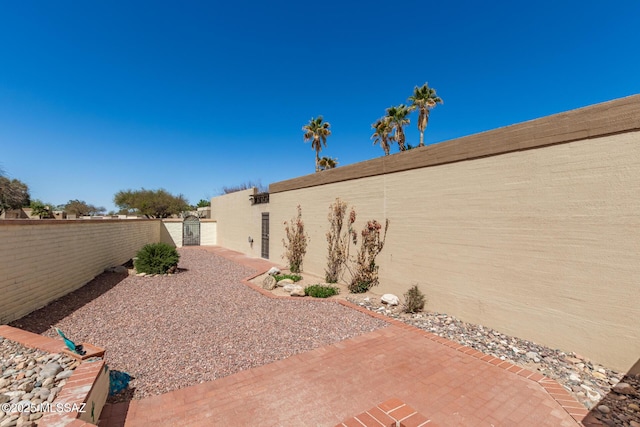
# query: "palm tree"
424,99
327,163
397,117
381,135
317,132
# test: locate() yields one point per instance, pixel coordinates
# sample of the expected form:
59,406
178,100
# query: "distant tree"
14,194
382,133
424,99
81,208
41,209
151,203
327,163
397,117
203,203
244,186
317,132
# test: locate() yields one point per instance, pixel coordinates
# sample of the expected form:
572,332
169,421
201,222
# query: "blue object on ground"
71,345
118,381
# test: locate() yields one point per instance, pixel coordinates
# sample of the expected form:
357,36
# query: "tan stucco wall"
238,220
532,229
208,232
43,260
542,244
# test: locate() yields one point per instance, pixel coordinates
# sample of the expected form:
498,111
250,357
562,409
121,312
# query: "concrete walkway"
447,384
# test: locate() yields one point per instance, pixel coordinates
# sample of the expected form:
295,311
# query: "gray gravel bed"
198,325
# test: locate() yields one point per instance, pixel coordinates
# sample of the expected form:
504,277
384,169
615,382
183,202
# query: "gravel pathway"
198,325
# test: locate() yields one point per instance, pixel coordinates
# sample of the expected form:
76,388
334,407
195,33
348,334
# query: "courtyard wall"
532,229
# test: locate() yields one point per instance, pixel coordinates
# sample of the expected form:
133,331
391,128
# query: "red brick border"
574,408
391,413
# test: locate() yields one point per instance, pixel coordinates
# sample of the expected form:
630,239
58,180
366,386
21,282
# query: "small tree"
40,209
14,193
338,240
81,208
296,242
153,204
366,274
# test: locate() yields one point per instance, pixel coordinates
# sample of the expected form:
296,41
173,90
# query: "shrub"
156,258
321,291
366,274
295,243
294,277
414,300
337,240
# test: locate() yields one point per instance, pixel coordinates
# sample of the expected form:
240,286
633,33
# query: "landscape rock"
390,299
297,291
269,283
273,271
624,388
288,288
283,282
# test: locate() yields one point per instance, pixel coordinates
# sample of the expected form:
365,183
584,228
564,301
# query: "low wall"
171,232
42,260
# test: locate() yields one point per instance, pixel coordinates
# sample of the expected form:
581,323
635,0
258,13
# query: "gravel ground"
198,325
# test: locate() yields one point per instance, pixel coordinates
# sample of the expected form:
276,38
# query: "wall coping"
70,221
607,118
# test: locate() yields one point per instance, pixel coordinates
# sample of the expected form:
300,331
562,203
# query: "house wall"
238,220
43,260
532,229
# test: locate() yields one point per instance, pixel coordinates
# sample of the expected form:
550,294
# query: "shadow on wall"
43,319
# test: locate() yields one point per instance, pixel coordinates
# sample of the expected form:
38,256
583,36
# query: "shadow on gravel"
621,406
42,319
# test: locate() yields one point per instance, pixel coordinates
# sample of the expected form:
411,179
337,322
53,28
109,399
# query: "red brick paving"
435,380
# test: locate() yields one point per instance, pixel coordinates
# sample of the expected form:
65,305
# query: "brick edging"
77,388
574,408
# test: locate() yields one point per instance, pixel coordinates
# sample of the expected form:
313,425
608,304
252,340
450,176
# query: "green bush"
321,291
294,277
156,258
414,300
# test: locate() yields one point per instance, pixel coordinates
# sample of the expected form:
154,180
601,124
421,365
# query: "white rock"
289,287
297,291
390,299
283,282
273,271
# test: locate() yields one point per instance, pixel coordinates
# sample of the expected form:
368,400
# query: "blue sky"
97,97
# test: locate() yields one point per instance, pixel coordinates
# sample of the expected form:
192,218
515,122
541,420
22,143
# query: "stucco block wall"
42,260
208,232
542,244
533,229
238,220
171,232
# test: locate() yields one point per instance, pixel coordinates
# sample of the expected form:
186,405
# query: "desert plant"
321,291
366,271
338,240
296,242
156,258
294,277
414,300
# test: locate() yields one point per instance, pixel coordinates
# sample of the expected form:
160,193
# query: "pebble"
590,383
30,376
